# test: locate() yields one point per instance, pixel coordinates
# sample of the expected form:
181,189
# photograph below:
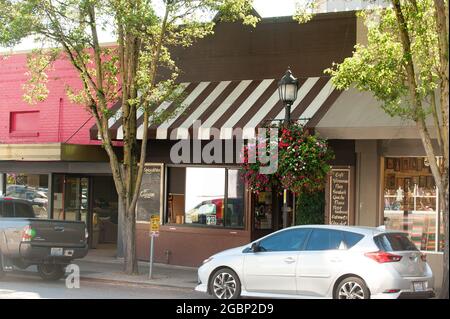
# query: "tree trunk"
444,204
131,265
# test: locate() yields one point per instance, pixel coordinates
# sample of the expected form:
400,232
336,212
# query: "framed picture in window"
397,165
390,181
422,181
405,164
390,163
413,163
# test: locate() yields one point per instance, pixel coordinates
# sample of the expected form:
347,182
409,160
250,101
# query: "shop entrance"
267,208
92,199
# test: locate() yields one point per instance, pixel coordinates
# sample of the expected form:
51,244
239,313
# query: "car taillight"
383,257
28,233
423,257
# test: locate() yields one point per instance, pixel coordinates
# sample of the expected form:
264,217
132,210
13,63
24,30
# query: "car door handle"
289,260
335,260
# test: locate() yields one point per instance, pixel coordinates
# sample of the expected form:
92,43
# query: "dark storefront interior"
91,199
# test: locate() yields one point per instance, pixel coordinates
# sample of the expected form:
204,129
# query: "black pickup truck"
26,240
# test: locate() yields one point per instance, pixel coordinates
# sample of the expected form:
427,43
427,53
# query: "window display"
211,197
411,200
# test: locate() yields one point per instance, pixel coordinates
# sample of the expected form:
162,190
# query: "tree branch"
146,115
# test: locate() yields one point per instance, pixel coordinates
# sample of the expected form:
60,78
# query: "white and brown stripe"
229,105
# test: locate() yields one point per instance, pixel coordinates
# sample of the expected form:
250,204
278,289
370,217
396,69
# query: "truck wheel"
51,272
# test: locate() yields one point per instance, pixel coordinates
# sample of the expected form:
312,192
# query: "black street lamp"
288,88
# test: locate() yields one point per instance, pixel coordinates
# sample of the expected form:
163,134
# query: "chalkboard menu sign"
339,197
150,196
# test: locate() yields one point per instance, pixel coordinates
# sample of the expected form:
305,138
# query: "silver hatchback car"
320,261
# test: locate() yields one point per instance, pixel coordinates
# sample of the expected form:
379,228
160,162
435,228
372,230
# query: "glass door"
76,198
70,197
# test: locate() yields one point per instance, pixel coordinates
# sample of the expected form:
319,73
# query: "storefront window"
211,197
411,200
205,196
31,187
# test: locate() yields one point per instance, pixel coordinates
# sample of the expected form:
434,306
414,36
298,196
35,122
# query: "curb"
30,274
140,263
134,283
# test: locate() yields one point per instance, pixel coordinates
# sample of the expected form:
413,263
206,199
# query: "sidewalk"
110,269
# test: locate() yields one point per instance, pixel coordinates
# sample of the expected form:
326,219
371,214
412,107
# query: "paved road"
30,287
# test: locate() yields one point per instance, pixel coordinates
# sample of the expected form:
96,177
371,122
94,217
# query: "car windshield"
394,242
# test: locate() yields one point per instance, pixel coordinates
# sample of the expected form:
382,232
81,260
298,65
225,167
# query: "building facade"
230,81
47,156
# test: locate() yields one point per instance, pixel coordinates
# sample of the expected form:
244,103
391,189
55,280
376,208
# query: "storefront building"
379,175
230,85
205,207
65,187
393,185
47,156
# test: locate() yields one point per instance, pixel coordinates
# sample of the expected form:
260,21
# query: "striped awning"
229,108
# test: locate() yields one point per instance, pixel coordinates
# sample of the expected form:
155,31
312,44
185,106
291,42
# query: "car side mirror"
255,247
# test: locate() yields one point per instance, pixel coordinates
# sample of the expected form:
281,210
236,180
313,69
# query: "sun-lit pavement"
31,287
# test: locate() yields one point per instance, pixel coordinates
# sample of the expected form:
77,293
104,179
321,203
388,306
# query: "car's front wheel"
352,288
225,284
51,272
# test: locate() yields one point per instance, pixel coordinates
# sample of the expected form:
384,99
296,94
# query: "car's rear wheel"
51,272
225,284
352,288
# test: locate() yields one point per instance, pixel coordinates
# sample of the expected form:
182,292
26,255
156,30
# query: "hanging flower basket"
256,181
303,162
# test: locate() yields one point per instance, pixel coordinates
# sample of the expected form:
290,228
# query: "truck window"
23,210
6,209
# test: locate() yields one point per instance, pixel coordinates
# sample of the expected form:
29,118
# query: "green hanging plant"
303,162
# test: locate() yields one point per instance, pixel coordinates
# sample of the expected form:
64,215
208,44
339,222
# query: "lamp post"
287,89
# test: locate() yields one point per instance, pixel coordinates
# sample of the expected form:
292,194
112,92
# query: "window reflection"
205,195
210,197
31,187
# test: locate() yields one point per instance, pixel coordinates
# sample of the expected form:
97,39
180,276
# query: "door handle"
289,260
335,260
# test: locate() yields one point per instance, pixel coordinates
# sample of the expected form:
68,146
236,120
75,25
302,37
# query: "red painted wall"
59,120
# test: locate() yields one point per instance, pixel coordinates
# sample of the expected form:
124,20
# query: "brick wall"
59,120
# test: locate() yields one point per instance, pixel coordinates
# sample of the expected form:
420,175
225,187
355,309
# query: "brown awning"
228,108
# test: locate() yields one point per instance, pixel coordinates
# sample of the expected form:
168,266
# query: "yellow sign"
154,224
